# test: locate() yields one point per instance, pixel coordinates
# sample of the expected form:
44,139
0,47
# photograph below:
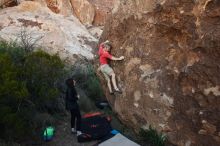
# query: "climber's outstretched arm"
116,58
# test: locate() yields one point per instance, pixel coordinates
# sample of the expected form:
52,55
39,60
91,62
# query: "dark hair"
69,82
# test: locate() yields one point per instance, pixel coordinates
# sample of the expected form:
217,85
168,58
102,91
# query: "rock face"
103,9
94,11
170,77
57,6
60,6
7,3
58,34
83,10
91,12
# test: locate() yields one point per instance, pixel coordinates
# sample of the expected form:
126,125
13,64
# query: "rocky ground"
64,137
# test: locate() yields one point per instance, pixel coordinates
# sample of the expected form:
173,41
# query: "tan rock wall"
57,6
103,9
56,34
84,10
7,3
89,12
170,76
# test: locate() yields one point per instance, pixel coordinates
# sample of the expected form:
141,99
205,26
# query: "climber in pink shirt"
107,71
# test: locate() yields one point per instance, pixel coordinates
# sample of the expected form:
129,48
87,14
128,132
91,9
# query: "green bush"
153,137
43,73
12,92
29,86
16,52
87,80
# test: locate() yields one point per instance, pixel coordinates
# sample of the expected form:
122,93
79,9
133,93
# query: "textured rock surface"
84,10
103,9
94,11
170,77
7,3
4,2
63,7
87,11
59,34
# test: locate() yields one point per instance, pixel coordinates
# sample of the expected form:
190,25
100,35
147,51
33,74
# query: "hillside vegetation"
29,91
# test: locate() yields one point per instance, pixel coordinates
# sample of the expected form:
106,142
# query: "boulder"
84,11
60,6
7,3
89,12
170,75
94,12
57,6
55,33
103,10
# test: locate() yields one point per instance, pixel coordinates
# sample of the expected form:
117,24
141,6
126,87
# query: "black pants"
76,119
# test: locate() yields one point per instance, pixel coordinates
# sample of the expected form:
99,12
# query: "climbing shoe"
118,91
78,133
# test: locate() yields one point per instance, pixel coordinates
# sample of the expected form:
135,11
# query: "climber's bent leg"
114,81
109,85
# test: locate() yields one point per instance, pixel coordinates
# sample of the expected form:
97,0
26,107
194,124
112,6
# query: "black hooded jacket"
71,97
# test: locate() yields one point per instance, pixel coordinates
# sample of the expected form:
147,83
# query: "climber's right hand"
122,57
107,41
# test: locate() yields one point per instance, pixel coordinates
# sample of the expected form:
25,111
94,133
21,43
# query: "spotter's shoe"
73,131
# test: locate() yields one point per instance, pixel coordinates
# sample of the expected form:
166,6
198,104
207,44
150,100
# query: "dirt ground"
64,137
